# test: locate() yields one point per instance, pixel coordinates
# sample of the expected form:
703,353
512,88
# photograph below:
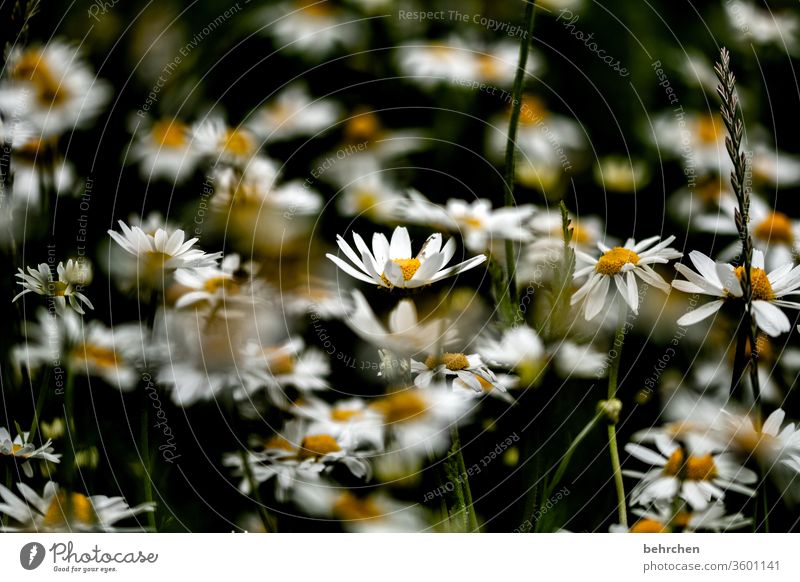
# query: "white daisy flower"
371,196
293,113
659,519
623,265
160,254
113,354
723,281
550,145
213,137
763,26
52,88
25,451
697,476
312,28
163,149
61,290
469,368
774,232
62,512
418,421
392,265
213,287
357,512
277,368
353,416
298,454
698,139
405,335
775,168
621,174
574,360
477,222
433,62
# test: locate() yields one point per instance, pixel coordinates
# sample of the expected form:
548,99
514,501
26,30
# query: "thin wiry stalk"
516,109
732,118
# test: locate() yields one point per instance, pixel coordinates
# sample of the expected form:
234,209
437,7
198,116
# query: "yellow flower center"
710,191
318,445
694,468
449,360
532,110
407,266
612,261
775,228
314,8
344,414
64,510
489,67
215,284
280,443
401,406
238,142
646,525
169,133
57,288
279,363
348,507
15,448
32,67
759,282
708,127
99,356
363,126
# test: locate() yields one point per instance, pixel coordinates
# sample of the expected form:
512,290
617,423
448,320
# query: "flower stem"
456,471
613,374
148,474
516,108
266,519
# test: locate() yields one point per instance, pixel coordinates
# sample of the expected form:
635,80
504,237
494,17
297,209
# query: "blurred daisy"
723,281
774,232
775,168
418,421
358,512
312,28
31,173
352,415
430,62
519,349
64,512
19,448
623,265
619,174
52,88
697,476
698,139
214,288
163,149
212,137
371,196
662,518
113,354
62,290
763,26
477,222
406,335
293,113
391,264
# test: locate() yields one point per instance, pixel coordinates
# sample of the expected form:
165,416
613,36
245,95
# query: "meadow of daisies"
374,266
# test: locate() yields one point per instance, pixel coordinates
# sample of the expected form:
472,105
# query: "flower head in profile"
22,449
724,282
622,264
162,252
62,288
62,511
391,264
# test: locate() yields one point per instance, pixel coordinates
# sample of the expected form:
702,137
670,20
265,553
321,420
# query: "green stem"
266,520
565,460
516,108
148,476
613,374
69,419
455,470
39,405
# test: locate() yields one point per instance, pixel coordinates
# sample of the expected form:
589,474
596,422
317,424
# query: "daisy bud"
611,409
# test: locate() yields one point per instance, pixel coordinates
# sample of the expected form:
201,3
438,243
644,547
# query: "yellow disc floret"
614,260
775,228
318,445
759,282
